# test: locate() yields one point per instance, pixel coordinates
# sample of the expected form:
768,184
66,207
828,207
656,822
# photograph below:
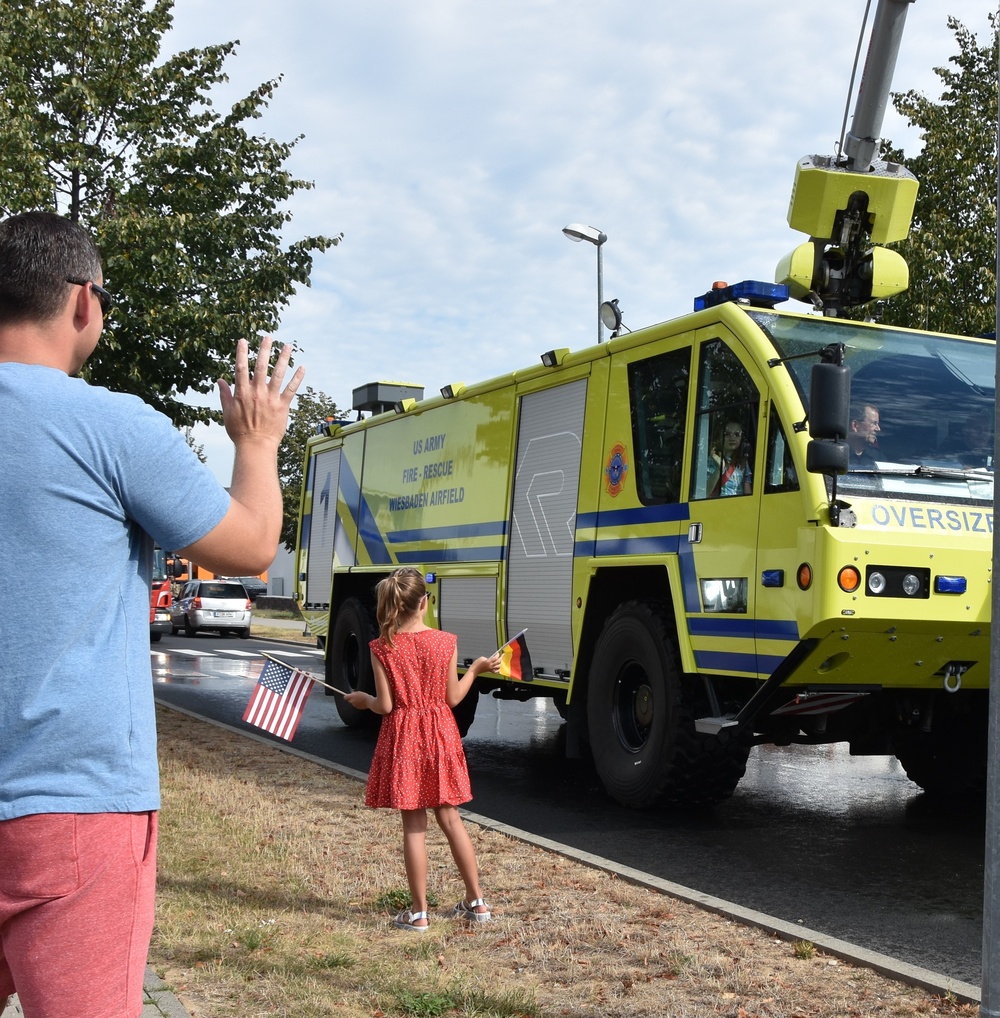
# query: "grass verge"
263,628
277,888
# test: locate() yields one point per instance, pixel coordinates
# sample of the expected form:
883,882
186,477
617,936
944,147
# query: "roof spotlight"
611,316
553,358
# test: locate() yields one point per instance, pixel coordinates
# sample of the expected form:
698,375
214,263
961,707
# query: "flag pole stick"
311,675
510,641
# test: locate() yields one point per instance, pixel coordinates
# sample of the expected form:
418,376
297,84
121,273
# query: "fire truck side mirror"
827,457
829,401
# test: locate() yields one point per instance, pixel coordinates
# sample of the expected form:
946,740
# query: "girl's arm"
459,687
713,472
381,703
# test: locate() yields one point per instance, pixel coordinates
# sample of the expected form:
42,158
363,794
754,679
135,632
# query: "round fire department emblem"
616,469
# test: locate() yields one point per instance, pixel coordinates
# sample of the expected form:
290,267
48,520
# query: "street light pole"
989,992
600,287
577,232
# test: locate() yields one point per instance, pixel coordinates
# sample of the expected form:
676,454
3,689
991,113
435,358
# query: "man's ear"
84,306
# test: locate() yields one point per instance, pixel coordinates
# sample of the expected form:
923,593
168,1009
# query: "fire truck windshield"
159,565
922,405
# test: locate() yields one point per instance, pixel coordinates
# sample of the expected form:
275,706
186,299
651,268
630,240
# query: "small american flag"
278,699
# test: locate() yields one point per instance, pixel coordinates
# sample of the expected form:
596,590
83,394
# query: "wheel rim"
632,707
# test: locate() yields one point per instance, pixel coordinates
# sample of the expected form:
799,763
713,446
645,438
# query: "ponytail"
398,596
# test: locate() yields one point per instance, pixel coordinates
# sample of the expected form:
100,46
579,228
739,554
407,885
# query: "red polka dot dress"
419,761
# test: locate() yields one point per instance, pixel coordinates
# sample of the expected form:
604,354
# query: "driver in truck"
862,436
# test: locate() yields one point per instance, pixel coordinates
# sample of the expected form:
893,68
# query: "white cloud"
452,140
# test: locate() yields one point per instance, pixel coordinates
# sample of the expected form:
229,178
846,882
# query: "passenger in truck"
729,468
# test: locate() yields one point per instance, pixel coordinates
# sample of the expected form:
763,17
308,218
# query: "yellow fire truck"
744,525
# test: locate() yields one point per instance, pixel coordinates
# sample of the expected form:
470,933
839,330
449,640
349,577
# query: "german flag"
515,661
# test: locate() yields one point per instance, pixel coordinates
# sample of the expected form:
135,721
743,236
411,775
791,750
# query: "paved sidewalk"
158,1001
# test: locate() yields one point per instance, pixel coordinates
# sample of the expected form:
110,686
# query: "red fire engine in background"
166,568
160,595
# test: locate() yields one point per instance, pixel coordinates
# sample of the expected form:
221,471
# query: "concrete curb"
158,1001
902,971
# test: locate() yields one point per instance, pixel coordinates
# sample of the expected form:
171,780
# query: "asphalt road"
843,845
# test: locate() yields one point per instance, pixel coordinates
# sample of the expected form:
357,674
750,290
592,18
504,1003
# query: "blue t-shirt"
737,481
89,479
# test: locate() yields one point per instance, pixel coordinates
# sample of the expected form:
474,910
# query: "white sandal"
406,920
467,910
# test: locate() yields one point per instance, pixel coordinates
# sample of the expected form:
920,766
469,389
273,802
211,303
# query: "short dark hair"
38,251
858,410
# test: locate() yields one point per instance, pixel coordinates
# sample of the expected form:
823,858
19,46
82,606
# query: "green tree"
186,204
309,411
952,247
197,448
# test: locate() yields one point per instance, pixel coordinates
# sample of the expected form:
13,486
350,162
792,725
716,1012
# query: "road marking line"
163,652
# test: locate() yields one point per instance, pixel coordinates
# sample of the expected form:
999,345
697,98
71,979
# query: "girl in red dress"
419,762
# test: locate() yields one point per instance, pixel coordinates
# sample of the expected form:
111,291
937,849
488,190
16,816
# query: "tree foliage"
185,203
310,409
952,247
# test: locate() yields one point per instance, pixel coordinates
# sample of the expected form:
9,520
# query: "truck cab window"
779,474
658,389
725,432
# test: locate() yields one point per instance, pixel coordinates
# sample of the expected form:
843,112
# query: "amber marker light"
849,579
804,576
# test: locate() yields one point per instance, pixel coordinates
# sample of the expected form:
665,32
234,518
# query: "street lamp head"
577,232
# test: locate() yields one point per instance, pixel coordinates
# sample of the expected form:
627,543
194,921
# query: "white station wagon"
220,605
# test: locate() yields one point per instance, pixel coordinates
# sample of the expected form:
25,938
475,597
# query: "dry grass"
262,631
277,887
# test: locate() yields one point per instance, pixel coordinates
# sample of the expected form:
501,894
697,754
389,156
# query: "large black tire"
465,712
348,661
640,718
951,758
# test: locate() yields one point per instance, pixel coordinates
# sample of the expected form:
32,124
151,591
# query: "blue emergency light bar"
750,291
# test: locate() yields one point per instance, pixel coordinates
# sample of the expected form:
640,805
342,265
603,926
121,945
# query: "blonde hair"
398,596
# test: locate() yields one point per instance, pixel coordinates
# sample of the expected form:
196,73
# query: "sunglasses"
103,297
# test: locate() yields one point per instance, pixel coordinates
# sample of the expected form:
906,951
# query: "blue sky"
451,140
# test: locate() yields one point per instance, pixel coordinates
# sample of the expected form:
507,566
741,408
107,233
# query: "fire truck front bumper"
160,622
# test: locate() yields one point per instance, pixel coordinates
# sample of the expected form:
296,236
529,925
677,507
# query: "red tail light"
248,605
196,604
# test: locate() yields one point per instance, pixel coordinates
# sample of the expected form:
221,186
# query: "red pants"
76,912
